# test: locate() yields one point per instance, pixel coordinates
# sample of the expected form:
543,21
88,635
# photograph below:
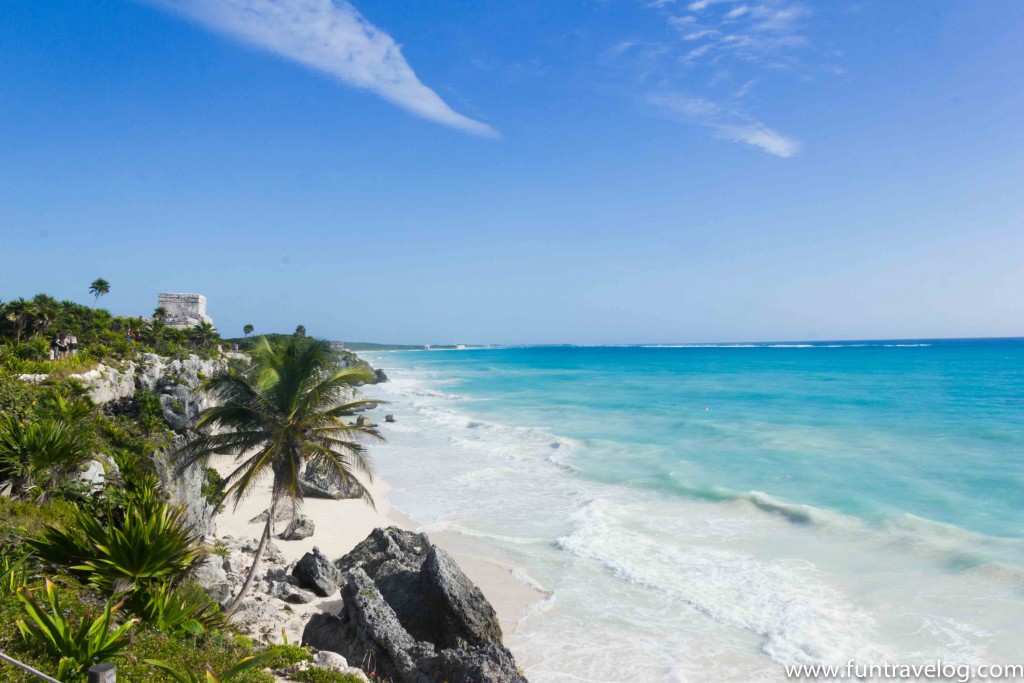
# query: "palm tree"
203,333
160,313
47,311
19,313
248,329
300,331
98,288
284,414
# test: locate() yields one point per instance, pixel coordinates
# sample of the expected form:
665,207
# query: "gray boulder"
283,590
299,528
460,614
318,485
409,609
283,513
369,630
315,572
94,474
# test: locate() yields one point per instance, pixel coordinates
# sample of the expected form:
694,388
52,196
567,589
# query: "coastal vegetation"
281,419
101,570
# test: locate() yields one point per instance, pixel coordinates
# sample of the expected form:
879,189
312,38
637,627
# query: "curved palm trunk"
267,531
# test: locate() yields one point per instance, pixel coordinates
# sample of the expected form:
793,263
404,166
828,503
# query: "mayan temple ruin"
183,310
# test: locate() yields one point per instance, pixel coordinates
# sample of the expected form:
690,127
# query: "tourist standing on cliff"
72,345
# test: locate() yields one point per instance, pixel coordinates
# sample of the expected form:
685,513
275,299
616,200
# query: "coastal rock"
185,487
210,574
332,661
299,528
254,615
316,484
369,630
410,609
104,384
389,418
379,377
283,590
462,616
315,572
94,474
181,406
284,513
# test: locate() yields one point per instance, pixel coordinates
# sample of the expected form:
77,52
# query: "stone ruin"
183,310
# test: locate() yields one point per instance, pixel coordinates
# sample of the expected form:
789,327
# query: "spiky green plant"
37,456
209,676
78,647
284,414
152,542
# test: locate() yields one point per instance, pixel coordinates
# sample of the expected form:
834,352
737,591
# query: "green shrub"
151,543
324,676
80,647
212,486
36,457
284,655
189,676
180,611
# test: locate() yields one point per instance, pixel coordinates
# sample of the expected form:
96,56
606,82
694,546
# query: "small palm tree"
20,313
98,288
203,334
284,414
36,457
160,313
300,331
248,329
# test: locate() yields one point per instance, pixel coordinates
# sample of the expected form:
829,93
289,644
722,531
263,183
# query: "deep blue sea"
711,512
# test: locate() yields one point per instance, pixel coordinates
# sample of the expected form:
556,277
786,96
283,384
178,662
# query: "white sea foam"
801,618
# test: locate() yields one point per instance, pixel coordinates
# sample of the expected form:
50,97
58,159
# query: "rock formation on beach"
410,612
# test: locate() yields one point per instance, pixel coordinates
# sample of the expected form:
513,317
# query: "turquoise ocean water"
714,512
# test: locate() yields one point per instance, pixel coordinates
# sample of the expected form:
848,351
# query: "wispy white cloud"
726,123
330,36
737,12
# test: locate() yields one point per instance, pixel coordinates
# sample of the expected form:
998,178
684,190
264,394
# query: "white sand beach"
340,526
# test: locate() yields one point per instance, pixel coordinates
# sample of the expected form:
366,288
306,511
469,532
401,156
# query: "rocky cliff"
178,385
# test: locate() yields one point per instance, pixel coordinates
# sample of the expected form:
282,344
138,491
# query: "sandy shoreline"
341,525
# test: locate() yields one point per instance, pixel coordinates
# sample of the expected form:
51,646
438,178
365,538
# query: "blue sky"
608,171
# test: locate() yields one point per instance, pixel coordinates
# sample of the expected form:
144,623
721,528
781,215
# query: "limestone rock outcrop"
315,572
317,485
409,609
299,528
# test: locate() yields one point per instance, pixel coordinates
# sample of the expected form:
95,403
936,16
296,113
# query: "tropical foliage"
211,677
78,647
37,457
27,325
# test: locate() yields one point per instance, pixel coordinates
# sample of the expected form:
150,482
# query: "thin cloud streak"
333,37
727,124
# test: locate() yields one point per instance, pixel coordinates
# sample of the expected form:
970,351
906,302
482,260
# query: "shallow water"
713,512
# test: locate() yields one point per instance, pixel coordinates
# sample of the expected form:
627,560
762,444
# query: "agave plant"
152,543
209,675
78,647
171,610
